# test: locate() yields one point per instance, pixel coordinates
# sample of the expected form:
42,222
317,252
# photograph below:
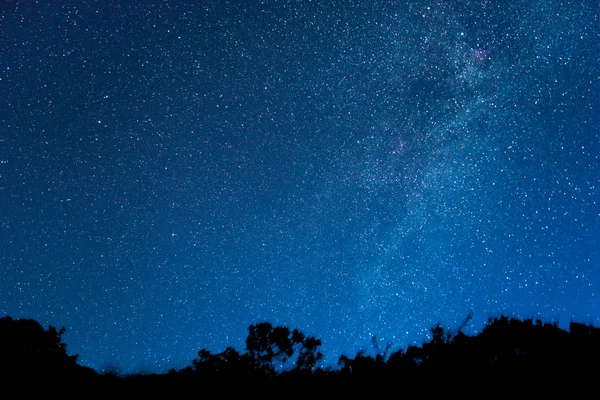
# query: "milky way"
172,172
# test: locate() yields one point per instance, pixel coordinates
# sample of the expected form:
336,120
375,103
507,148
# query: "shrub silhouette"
29,351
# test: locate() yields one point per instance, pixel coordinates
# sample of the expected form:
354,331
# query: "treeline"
505,347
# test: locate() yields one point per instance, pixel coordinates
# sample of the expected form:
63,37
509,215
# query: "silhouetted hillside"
28,352
505,347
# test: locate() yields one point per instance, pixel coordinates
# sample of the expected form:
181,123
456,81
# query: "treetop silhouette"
276,353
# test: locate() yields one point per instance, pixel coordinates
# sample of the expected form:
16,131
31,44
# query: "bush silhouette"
27,350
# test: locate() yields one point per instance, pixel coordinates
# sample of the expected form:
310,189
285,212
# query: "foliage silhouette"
270,351
268,345
29,351
505,347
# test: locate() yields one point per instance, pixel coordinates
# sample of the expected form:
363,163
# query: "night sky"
174,171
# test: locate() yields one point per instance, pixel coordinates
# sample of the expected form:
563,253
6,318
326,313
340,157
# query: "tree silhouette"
308,351
270,348
269,351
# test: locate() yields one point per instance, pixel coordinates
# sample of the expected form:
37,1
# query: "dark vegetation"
506,347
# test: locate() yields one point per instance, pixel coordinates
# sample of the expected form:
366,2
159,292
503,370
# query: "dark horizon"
505,348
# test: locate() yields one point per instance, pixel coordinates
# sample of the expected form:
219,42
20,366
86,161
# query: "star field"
172,172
